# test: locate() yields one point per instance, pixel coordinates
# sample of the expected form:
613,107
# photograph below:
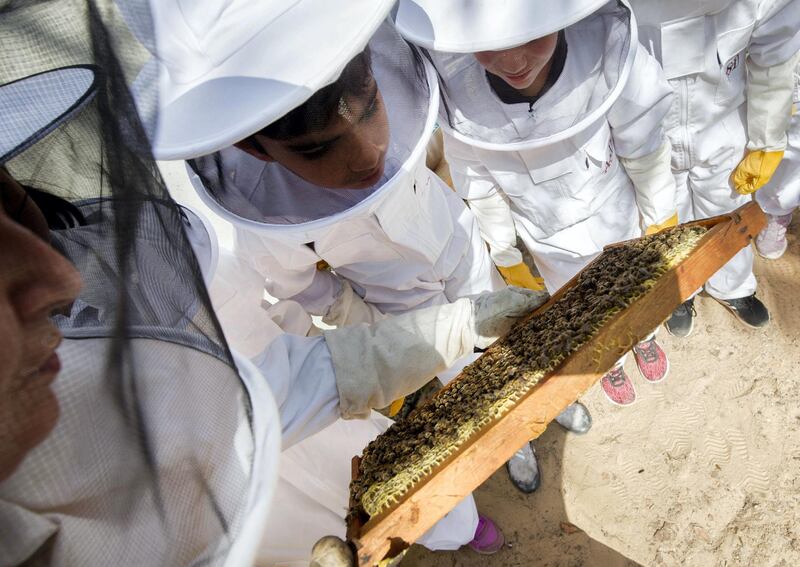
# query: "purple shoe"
771,242
488,537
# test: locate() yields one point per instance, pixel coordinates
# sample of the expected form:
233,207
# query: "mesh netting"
152,458
273,194
475,113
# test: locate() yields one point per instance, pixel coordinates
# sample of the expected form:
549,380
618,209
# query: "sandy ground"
703,470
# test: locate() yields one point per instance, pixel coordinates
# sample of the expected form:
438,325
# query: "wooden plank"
466,470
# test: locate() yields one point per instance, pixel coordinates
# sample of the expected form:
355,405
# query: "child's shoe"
771,242
617,387
651,360
575,418
681,322
523,468
749,310
488,537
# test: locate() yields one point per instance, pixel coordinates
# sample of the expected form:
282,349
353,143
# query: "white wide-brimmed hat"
468,26
228,68
34,106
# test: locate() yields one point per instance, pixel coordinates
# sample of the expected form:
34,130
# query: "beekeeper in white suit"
360,202
730,64
552,115
306,187
325,185
149,447
781,196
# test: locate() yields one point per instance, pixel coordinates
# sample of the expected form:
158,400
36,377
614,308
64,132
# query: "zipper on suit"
684,123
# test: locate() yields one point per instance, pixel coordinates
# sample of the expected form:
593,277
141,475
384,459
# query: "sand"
703,470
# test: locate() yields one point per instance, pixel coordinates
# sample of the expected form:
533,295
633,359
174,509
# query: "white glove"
376,364
349,308
496,225
769,104
656,195
331,551
494,313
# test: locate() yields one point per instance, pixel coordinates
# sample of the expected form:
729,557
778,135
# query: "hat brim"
463,26
281,67
34,106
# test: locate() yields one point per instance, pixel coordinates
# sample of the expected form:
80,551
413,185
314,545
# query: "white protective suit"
288,513
707,49
409,242
296,394
781,196
552,169
312,494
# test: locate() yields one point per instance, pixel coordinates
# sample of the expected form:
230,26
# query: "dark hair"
59,213
442,86
318,111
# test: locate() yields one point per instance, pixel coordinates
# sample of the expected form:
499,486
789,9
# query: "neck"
539,82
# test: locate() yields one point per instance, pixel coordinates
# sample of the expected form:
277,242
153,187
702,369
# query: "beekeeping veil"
163,453
452,30
311,55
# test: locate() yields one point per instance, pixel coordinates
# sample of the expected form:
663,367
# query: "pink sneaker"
488,537
771,242
617,387
651,360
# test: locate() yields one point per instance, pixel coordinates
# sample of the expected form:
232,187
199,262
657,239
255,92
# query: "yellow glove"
654,228
396,406
755,171
521,276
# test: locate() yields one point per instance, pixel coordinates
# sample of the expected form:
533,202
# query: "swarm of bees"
487,389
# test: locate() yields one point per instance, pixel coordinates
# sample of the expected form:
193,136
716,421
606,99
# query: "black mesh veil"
157,455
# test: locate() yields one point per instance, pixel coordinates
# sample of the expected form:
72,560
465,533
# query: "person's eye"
314,152
370,111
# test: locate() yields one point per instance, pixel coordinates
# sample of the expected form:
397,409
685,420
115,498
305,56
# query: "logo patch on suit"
732,65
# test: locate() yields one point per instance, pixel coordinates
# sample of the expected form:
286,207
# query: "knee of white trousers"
457,528
684,206
779,201
735,279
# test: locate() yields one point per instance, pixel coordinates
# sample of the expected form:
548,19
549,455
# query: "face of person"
520,66
349,153
35,280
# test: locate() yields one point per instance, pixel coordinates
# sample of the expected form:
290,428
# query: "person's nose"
513,62
367,157
45,281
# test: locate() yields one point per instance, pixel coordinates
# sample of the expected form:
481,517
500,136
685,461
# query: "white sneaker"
771,242
524,469
575,418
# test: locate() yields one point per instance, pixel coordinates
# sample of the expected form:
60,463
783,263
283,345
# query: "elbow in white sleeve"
769,104
496,226
349,308
654,183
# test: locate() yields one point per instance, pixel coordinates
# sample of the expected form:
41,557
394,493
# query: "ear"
252,146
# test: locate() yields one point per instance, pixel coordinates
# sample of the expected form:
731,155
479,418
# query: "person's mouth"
372,177
51,366
518,77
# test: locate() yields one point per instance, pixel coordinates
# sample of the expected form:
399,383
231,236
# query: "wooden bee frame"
390,532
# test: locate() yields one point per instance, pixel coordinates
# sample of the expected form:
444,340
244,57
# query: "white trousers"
565,253
311,499
705,191
476,272
781,195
